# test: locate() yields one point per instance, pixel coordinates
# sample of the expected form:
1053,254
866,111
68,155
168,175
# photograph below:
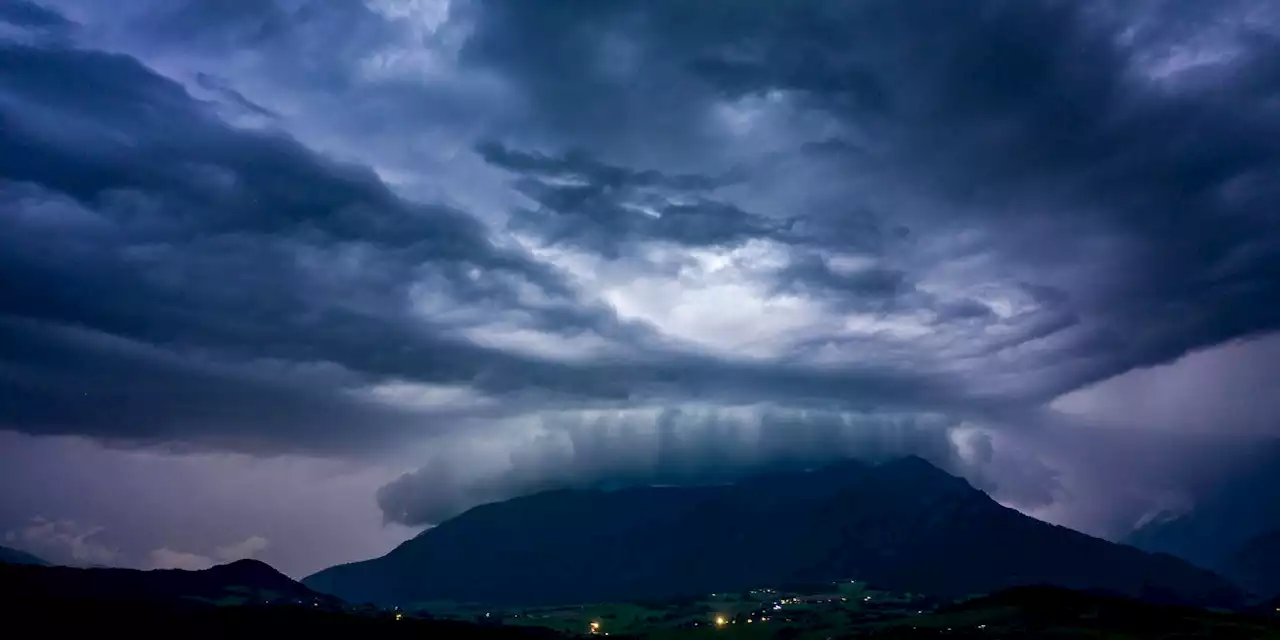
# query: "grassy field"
852,609
758,613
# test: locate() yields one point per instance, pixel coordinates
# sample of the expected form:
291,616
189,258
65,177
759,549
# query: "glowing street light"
720,621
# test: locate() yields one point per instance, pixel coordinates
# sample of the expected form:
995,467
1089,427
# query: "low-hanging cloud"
166,558
692,445
63,542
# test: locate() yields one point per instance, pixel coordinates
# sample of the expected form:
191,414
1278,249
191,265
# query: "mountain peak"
913,473
904,525
249,570
247,564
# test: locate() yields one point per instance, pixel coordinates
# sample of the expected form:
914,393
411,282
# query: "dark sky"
296,278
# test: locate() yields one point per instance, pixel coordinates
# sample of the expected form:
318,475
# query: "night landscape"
662,319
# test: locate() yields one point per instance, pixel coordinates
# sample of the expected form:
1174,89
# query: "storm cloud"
492,247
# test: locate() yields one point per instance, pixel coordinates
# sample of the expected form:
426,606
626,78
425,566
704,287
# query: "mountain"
13,556
1224,519
238,582
903,526
1256,565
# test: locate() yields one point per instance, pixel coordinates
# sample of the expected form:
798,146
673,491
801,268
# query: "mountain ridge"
903,525
242,580
9,555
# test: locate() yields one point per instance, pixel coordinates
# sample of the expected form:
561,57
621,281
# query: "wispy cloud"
63,541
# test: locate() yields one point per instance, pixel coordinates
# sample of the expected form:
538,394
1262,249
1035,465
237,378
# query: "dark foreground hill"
1047,612
245,599
239,582
28,616
13,556
903,526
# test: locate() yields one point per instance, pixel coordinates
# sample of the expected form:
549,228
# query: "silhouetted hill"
239,582
1256,566
13,556
904,526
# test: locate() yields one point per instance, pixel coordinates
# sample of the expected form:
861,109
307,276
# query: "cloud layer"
521,245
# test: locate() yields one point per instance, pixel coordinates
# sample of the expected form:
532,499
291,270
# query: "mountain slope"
904,526
1256,565
1224,519
240,581
13,556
